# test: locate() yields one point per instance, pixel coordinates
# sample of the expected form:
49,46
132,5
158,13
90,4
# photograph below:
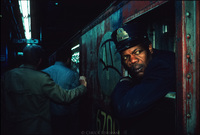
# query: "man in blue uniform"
151,77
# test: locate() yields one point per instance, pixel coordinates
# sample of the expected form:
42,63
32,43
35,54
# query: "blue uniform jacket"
130,99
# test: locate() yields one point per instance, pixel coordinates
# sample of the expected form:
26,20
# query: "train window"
75,58
161,26
161,29
161,32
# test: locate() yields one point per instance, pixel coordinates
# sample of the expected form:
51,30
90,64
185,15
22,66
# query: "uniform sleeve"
130,101
60,95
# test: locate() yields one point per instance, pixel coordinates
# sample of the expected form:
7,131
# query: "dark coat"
25,100
131,100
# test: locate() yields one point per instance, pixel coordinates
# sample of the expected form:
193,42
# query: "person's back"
62,75
24,101
26,95
65,118
67,79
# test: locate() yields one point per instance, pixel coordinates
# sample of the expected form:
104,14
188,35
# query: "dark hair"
63,54
32,54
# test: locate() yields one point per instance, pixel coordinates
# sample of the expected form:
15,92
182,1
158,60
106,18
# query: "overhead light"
24,6
75,47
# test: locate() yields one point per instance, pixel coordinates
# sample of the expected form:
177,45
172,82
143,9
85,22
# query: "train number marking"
105,123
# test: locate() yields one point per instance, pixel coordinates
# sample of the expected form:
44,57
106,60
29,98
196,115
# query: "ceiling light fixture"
24,6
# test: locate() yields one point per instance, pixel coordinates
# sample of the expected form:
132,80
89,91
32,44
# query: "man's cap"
128,36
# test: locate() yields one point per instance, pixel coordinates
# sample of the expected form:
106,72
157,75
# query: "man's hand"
83,81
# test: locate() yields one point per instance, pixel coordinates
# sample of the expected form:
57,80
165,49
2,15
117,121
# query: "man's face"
136,59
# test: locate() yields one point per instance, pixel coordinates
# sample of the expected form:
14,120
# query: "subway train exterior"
173,26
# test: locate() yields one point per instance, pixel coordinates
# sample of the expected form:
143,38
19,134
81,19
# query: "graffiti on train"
105,123
109,64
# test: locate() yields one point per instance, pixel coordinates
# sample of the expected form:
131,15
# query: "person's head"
33,55
64,55
134,47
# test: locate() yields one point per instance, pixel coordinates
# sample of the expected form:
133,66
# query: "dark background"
59,20
53,23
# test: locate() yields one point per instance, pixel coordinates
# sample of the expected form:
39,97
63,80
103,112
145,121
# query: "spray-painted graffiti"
106,66
109,64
